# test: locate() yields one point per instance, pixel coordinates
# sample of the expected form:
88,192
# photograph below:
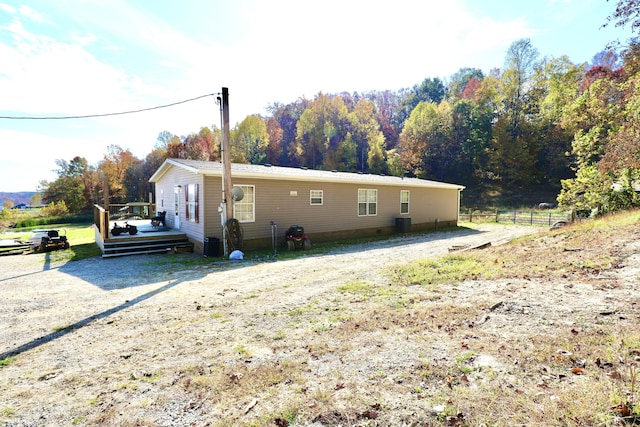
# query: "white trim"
321,197
367,203
408,202
296,174
242,202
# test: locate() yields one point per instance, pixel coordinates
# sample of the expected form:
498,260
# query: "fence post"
531,220
470,215
514,216
549,219
497,215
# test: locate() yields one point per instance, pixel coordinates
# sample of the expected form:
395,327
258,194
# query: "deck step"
148,251
153,246
142,243
139,246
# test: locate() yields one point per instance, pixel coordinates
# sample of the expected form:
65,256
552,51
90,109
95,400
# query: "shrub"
58,208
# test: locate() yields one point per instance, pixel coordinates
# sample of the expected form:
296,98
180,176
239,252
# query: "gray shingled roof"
295,174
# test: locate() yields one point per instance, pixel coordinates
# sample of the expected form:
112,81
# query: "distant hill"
17,198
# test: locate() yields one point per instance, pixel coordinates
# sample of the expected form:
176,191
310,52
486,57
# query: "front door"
176,202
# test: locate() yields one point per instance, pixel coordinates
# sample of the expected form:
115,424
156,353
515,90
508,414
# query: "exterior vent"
334,171
304,168
267,165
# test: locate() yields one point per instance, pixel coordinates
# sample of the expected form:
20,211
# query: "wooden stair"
161,244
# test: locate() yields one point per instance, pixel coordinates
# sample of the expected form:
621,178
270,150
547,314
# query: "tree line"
537,121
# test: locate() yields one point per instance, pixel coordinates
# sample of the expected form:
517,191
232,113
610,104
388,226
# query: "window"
191,200
367,202
404,201
315,197
245,210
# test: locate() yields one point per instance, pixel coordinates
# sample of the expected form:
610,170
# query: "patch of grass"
7,361
127,386
243,350
149,377
286,416
370,291
447,269
8,411
465,357
572,251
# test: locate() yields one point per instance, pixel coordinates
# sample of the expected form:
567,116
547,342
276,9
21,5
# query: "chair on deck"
159,219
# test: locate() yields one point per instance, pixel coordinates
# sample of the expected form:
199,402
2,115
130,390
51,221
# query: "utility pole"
226,163
226,155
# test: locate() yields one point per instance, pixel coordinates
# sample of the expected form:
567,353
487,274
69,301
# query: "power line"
86,116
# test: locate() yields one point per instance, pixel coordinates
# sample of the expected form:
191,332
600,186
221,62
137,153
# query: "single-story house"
330,205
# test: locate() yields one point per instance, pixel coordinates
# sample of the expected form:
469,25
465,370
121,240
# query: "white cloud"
8,8
28,12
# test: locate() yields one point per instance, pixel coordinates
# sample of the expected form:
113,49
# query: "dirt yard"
143,340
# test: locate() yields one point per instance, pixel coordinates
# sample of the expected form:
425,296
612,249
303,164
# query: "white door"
176,202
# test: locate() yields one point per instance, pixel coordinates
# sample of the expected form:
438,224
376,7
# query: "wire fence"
539,218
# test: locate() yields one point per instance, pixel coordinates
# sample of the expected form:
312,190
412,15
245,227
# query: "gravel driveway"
81,329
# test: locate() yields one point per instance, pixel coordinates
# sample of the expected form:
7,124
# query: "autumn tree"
592,119
113,170
367,137
422,138
287,117
175,148
36,200
460,80
204,145
520,64
471,129
136,182
321,131
249,141
274,152
627,12
514,147
387,113
430,90
74,185
558,81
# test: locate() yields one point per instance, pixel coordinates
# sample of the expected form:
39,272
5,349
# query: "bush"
53,209
6,214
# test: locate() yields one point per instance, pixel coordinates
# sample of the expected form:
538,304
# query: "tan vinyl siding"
181,177
212,197
339,211
282,198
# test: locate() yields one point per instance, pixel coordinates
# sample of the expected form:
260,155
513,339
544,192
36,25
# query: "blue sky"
84,57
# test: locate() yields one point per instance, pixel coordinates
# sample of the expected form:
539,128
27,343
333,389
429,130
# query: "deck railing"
129,210
101,223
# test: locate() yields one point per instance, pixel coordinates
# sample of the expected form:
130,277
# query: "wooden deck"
148,240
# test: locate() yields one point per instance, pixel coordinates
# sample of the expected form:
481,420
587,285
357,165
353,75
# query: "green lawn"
81,238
